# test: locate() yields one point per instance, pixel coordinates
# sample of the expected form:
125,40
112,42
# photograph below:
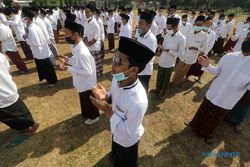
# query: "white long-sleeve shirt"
37,42
232,80
241,26
126,31
161,23
150,41
3,18
154,28
100,23
49,27
126,126
6,37
111,25
43,27
176,45
211,41
220,30
185,28
198,40
229,27
92,31
82,68
240,37
18,27
8,89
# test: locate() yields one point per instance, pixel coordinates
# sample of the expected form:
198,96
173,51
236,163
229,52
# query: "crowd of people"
184,44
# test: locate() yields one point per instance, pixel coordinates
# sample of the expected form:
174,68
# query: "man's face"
68,33
88,13
199,23
124,21
172,10
120,63
184,20
143,25
160,12
170,27
208,23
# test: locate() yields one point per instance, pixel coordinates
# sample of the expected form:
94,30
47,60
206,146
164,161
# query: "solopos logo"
220,154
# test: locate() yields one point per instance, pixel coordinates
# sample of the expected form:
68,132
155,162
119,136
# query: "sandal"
32,129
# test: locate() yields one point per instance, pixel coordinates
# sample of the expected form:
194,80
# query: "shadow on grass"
65,136
40,89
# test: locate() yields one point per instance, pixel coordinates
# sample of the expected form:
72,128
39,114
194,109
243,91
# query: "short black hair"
222,16
184,16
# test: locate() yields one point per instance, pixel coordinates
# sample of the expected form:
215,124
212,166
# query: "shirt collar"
130,86
78,46
146,35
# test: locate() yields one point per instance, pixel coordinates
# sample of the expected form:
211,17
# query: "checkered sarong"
98,62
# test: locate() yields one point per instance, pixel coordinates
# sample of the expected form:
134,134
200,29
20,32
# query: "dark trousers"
125,156
160,39
102,49
26,50
111,41
144,79
88,109
17,116
218,46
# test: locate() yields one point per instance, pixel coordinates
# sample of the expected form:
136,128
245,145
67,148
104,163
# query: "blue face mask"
196,28
119,76
206,28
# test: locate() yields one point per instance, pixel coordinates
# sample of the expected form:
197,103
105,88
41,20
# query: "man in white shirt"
229,24
196,45
40,49
195,69
193,17
172,12
231,83
126,116
13,112
173,46
154,26
3,18
102,33
111,29
160,20
53,21
52,44
82,67
241,26
220,30
92,38
117,20
9,47
185,27
126,29
240,39
17,24
148,39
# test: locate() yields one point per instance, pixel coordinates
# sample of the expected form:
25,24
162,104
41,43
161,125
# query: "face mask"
160,13
206,28
170,32
196,28
120,76
70,41
140,31
90,18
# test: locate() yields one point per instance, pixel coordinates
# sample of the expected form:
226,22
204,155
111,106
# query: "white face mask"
170,32
196,28
90,18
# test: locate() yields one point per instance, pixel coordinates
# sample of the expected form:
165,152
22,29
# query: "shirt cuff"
206,69
70,69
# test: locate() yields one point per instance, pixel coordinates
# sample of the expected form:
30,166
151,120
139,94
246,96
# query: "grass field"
64,141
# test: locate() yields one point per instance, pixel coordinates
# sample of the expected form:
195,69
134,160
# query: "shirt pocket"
241,80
